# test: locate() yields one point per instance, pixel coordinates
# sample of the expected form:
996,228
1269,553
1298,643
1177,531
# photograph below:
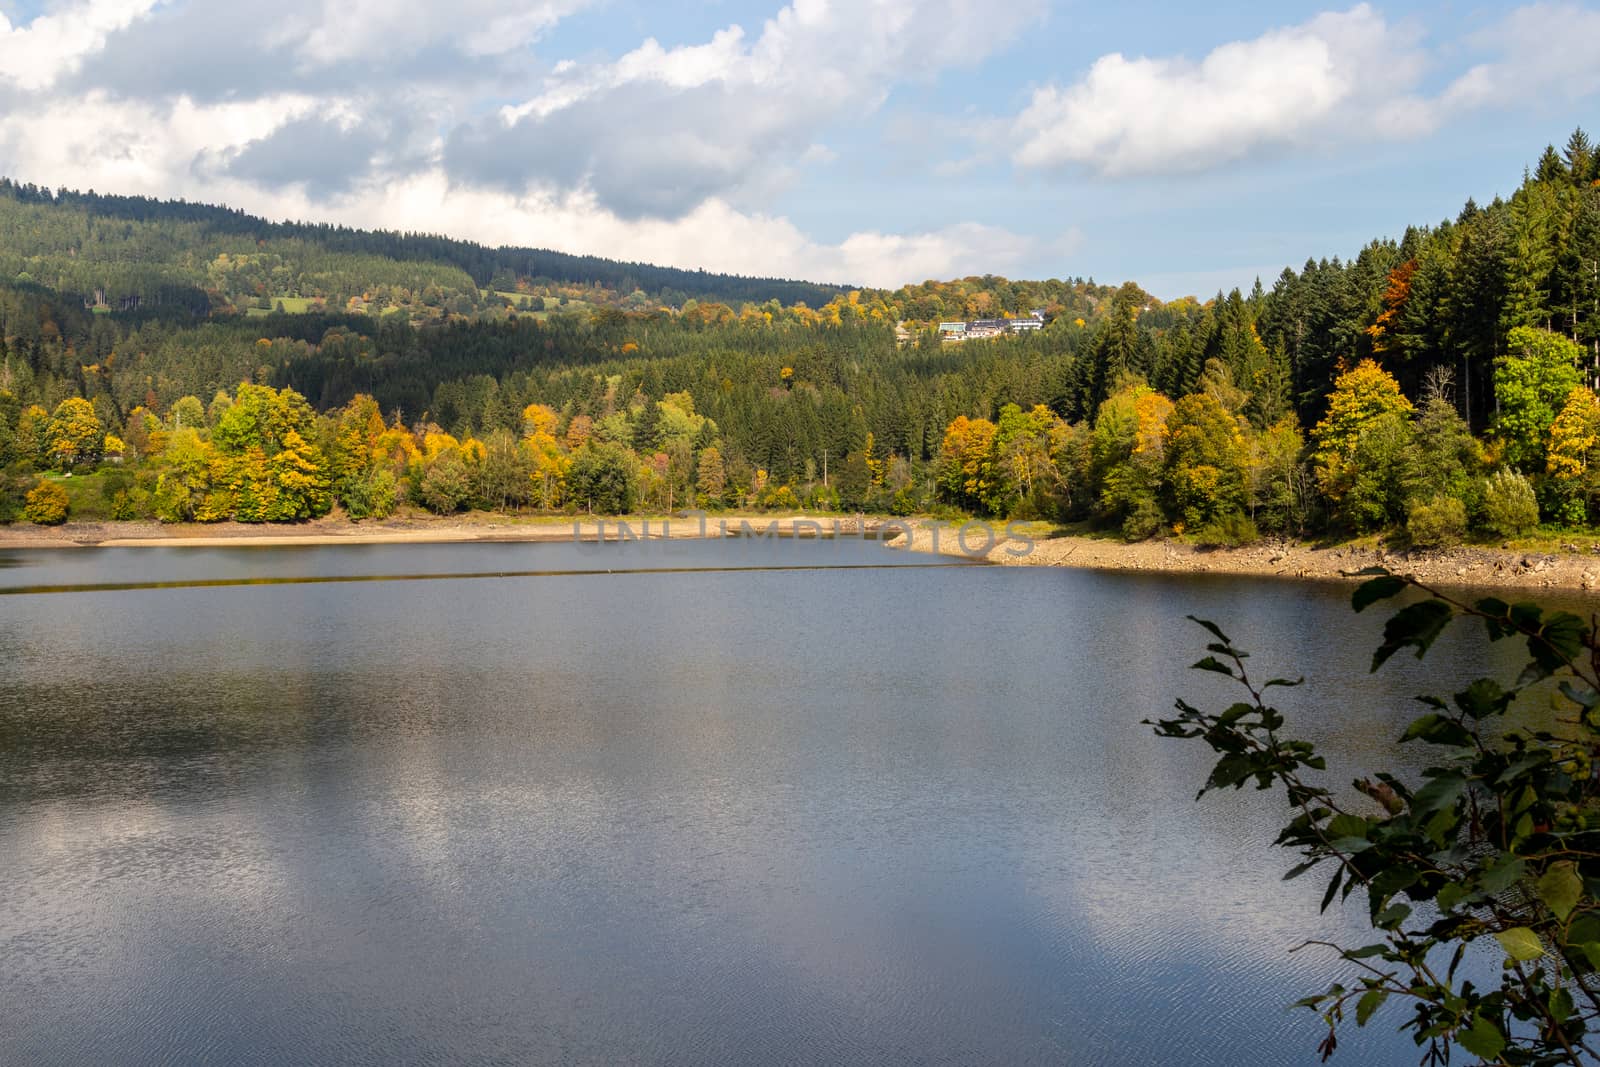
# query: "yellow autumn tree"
1362,396
1573,458
967,463
539,418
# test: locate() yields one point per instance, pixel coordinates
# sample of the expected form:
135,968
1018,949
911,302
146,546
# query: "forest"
209,366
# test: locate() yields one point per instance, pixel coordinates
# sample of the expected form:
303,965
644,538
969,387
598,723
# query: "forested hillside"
127,251
1441,382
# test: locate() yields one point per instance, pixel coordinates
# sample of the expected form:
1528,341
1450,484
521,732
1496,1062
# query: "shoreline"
478,528
1574,568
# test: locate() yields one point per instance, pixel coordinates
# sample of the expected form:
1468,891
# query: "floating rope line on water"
328,579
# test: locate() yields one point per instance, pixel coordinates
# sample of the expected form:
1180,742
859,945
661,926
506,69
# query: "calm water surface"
890,815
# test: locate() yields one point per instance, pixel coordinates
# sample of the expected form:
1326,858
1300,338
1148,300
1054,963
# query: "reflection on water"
871,815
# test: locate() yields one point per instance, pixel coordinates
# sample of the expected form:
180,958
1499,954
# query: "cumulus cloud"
219,152
659,131
1143,115
34,55
413,114
1540,50
374,113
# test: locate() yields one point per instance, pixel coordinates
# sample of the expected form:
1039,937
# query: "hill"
125,252
1466,337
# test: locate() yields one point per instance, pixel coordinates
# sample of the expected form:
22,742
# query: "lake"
681,806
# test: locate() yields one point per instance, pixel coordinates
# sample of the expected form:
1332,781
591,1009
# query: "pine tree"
1531,256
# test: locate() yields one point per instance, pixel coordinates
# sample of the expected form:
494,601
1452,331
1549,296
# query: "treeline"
830,402
134,247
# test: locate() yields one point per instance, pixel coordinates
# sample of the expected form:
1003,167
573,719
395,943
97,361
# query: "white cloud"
1543,50
659,131
334,31
1142,115
35,55
103,143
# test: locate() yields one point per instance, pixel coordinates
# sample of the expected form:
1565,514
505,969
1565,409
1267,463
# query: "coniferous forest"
186,362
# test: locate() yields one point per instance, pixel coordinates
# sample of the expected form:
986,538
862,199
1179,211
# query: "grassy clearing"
292,305
86,501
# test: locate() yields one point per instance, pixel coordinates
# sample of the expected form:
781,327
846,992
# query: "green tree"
187,411
184,479
601,479
1532,381
1510,508
505,477
1375,496
1358,444
1279,484
1445,460
446,483
1205,461
1128,450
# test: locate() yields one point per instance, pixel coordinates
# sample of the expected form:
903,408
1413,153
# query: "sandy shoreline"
1574,568
422,530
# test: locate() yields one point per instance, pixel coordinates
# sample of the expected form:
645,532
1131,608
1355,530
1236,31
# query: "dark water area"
870,811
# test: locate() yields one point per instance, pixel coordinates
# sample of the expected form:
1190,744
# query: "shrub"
1230,530
1437,522
1143,520
780,499
1509,507
46,505
904,502
446,484
372,496
131,503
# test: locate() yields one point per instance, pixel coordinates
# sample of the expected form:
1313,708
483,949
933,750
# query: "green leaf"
1333,887
1370,592
1365,952
1415,626
1520,943
1350,845
1370,1002
1562,635
1591,949
1438,730
1483,1039
1439,793
1216,631
1585,927
1450,895
1235,713
1500,878
1560,888
1231,769
1490,605
1347,825
1483,698
1392,916
1561,1005
1216,666
1301,868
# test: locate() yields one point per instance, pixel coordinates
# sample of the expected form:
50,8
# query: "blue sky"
871,141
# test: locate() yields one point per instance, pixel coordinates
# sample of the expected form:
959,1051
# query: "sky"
1188,147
